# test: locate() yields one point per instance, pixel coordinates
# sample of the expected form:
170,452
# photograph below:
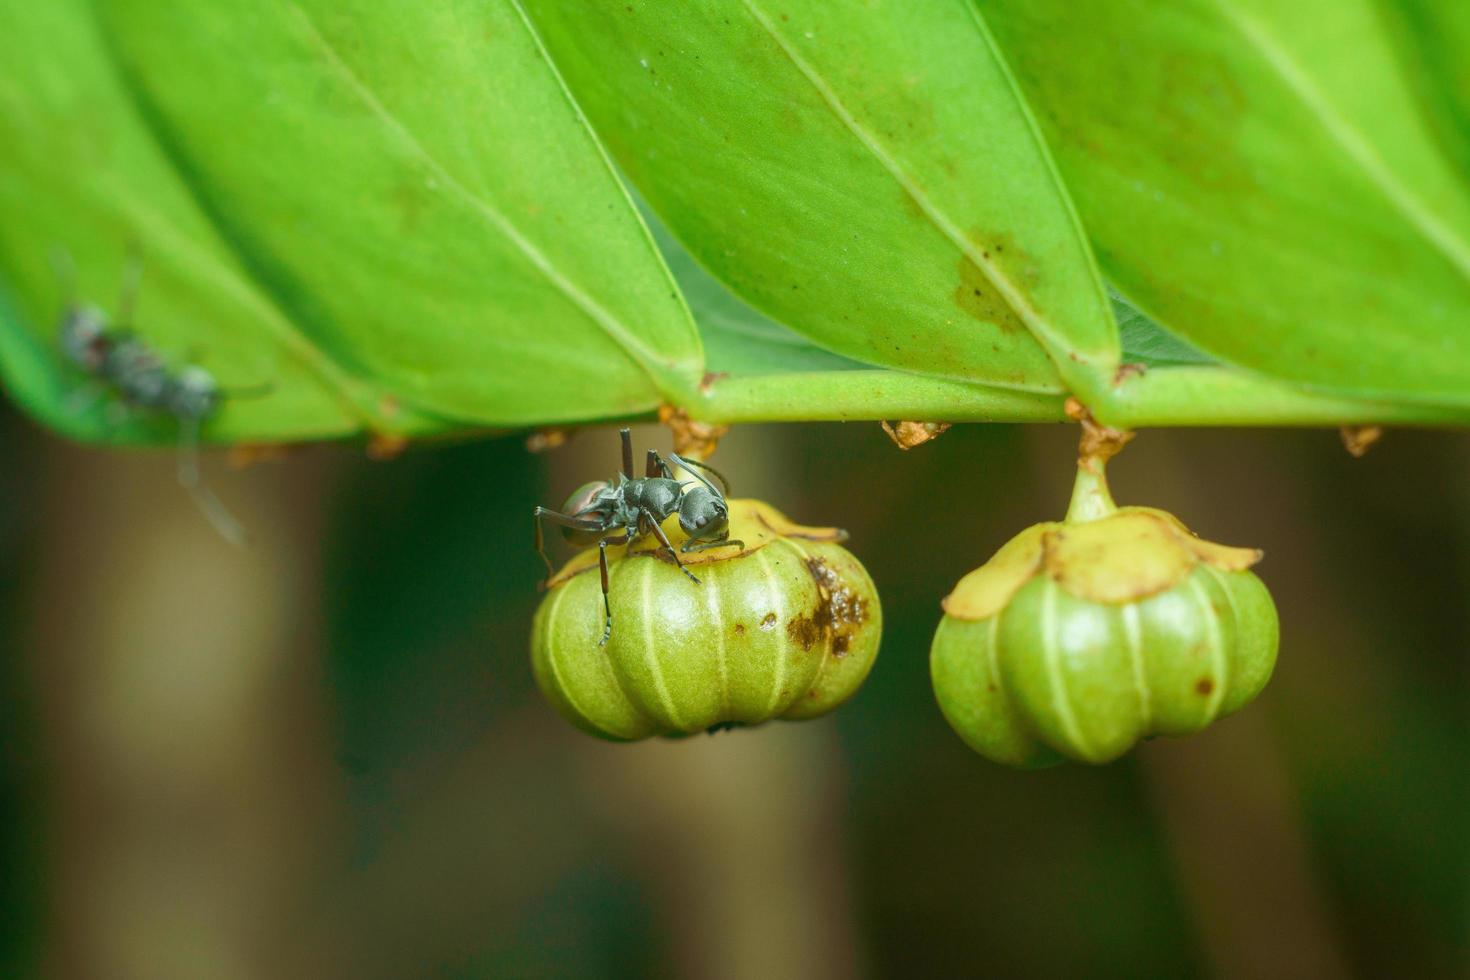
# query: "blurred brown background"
325,756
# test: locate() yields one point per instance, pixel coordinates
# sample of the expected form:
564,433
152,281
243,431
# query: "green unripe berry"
1080,638
785,627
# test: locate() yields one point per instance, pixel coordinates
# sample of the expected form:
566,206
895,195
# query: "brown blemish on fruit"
769,622
806,631
739,629
1204,686
840,612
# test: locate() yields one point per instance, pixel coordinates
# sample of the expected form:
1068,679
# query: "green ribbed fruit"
785,627
1080,638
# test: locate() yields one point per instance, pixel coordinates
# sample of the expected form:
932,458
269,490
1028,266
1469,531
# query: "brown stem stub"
243,455
1099,442
1126,371
545,440
1358,439
385,445
907,435
692,438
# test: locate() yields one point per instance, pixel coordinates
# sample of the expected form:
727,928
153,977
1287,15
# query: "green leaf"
404,198
862,172
1261,177
738,338
419,185
1147,343
1433,41
81,176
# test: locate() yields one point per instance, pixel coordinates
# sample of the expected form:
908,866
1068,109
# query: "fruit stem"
1091,498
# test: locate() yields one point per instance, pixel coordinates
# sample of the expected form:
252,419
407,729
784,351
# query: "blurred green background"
325,756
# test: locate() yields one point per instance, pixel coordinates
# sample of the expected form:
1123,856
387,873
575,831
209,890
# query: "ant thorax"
84,337
657,495
137,371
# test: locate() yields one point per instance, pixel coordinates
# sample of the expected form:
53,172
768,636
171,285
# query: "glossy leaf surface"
861,172
83,181
411,191
1281,184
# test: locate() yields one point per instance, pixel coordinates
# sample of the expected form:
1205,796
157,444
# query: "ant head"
701,511
137,371
194,394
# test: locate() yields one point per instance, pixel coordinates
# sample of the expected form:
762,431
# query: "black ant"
639,506
117,359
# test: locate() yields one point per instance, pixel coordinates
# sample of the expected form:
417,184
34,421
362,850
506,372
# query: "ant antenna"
190,479
249,391
687,463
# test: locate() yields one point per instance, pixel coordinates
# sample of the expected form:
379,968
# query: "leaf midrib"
644,357
348,390
1444,239
1054,341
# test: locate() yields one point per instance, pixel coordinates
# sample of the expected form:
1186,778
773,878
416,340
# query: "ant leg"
602,566
658,466
721,542
189,479
259,390
541,539
573,521
658,532
627,437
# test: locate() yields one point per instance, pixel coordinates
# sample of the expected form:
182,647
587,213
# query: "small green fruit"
1079,638
786,626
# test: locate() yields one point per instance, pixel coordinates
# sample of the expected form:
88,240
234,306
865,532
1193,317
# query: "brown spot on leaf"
978,298
1129,370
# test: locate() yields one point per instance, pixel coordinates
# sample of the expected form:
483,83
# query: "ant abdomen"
584,501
